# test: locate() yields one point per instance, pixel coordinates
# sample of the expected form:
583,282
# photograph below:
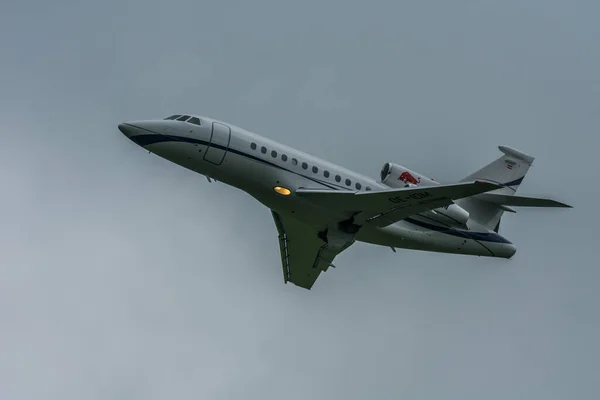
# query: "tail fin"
508,171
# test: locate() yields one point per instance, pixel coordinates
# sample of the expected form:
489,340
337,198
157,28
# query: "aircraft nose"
141,133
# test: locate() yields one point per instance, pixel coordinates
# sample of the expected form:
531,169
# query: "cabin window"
183,118
263,150
253,146
326,174
274,154
358,185
338,178
194,120
315,169
294,161
367,188
348,182
304,165
284,157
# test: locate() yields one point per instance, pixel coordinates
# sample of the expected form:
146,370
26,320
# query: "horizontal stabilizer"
519,201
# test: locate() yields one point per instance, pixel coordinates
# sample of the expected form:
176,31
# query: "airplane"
320,209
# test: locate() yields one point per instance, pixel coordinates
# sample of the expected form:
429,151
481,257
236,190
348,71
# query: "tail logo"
407,178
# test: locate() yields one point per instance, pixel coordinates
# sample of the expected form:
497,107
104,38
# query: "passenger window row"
304,166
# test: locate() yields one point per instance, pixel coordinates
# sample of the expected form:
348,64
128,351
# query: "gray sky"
124,276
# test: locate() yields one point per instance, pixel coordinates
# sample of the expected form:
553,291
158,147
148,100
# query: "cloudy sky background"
124,276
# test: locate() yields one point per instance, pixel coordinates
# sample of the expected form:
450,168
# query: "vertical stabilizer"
508,171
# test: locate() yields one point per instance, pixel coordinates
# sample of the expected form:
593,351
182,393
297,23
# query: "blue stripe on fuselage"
516,182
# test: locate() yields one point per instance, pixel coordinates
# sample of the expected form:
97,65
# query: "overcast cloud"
123,276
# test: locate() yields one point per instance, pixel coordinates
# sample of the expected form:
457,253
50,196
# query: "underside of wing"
304,253
385,207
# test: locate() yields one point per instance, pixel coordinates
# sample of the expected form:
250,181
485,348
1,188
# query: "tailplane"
508,171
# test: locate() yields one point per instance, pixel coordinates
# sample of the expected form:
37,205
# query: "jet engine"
452,215
397,176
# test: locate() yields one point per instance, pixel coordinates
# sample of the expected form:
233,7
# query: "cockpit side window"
173,117
194,120
183,118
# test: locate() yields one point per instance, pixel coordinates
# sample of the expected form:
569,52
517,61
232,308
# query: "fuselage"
257,165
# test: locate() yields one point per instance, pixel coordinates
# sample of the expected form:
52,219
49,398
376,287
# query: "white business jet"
320,209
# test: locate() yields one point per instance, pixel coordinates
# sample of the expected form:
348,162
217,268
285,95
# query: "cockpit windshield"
185,118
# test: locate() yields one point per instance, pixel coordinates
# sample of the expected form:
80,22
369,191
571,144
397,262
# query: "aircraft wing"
384,207
303,254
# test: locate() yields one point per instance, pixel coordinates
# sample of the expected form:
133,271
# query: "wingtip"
561,205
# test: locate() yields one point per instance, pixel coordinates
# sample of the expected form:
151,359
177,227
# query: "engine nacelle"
397,176
453,215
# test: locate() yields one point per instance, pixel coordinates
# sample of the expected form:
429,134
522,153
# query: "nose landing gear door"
219,143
